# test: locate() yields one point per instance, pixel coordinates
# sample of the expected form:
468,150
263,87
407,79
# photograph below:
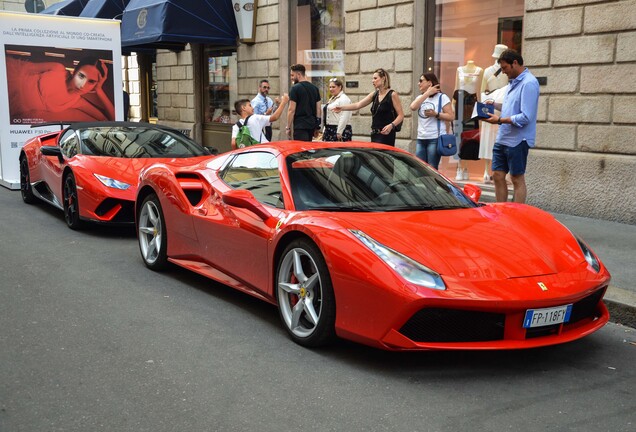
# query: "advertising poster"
54,69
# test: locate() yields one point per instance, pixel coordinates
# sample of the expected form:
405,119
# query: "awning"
173,23
66,7
107,9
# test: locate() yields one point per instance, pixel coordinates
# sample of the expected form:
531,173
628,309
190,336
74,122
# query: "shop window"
220,88
320,40
461,52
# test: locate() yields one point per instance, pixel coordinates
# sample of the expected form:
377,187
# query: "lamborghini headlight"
112,183
409,269
589,256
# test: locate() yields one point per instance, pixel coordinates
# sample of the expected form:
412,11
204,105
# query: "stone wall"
175,88
262,60
380,34
15,5
585,161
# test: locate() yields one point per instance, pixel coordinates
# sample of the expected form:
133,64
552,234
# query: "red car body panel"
91,193
495,258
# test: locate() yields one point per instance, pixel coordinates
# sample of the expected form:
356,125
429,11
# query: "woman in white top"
428,116
337,127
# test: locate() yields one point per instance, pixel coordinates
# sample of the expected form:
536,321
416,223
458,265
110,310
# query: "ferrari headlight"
409,269
589,255
112,183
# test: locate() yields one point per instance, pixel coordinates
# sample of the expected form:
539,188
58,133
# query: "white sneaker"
465,175
460,174
487,179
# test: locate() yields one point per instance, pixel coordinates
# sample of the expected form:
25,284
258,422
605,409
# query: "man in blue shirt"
264,105
518,127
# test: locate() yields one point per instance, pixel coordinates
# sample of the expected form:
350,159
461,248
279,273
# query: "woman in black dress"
386,109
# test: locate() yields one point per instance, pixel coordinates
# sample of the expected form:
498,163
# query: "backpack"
243,137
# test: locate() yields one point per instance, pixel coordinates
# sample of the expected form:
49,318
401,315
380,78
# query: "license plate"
547,316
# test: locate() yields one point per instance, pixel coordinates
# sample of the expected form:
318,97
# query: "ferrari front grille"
452,325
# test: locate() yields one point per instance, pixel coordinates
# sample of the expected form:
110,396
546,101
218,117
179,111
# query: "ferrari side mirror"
473,191
242,198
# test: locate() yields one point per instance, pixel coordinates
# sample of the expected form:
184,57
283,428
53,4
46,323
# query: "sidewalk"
615,245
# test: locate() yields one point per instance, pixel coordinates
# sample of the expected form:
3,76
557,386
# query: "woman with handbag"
337,127
431,118
386,109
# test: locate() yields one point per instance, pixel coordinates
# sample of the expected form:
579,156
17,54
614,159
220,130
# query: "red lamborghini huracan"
90,170
368,243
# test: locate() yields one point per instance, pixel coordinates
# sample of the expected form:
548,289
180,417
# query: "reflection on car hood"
486,243
128,169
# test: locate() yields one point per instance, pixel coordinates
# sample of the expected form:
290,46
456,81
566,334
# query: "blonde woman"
386,109
337,127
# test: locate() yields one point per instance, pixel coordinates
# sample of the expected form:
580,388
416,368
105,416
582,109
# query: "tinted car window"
256,172
349,179
137,142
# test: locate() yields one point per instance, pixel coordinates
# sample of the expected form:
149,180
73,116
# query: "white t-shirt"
427,126
256,124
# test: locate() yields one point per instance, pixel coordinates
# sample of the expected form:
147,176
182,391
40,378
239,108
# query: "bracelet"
437,116
499,121
392,125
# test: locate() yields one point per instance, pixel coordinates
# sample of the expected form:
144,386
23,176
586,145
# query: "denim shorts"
510,159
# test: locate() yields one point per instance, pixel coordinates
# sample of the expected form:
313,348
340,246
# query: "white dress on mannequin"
467,92
492,86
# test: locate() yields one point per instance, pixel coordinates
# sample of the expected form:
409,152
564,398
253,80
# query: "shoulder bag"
446,143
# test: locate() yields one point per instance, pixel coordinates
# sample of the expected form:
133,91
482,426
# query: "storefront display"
469,36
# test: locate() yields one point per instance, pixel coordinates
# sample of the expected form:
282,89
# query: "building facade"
581,50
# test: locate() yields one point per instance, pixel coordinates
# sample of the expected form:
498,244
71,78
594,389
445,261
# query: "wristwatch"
499,121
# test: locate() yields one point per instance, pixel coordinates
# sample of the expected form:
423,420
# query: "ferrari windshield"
364,179
137,142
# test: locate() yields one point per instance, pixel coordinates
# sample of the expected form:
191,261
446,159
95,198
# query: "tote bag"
446,143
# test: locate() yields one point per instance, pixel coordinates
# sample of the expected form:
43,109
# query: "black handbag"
446,143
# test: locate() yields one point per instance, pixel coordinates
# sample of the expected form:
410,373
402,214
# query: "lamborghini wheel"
151,232
71,204
305,295
25,182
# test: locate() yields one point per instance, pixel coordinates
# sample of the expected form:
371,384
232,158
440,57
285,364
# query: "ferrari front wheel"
71,204
25,182
305,295
151,232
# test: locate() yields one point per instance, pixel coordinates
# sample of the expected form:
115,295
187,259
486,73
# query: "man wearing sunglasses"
264,105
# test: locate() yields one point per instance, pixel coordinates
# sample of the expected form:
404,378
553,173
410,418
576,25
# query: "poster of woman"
48,84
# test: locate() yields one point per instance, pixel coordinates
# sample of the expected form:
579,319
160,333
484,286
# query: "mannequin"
493,85
467,91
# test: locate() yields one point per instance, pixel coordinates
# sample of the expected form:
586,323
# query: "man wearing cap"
518,127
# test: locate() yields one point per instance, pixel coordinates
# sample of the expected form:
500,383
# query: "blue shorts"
510,159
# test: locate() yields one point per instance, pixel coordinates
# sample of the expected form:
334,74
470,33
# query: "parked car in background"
91,170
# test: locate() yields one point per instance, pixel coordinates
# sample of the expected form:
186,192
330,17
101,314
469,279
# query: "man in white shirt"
255,122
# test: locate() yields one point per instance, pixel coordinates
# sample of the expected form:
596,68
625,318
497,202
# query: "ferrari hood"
486,243
128,169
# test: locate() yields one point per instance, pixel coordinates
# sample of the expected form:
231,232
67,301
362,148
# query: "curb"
622,306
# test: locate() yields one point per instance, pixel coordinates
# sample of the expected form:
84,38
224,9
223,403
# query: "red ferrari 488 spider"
368,243
90,170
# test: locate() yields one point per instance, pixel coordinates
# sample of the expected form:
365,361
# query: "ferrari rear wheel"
25,182
71,204
305,294
151,232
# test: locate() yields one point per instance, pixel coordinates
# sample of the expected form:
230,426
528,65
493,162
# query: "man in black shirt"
304,106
